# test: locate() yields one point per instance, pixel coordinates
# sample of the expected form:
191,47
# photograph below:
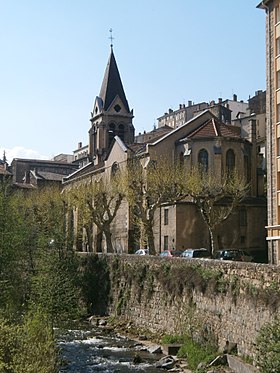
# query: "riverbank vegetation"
195,353
39,278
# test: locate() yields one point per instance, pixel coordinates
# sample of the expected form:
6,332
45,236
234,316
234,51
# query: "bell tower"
111,115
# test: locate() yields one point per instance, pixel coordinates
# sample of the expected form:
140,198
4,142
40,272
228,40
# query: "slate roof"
50,176
112,84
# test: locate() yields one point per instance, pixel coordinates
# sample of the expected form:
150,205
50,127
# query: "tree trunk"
150,238
108,237
89,237
212,240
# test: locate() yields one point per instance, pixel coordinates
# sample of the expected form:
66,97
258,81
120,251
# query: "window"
114,169
121,132
165,243
278,147
243,218
111,133
165,220
278,79
230,161
203,159
247,169
278,113
117,108
277,46
277,14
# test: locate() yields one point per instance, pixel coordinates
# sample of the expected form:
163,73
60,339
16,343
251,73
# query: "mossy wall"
223,301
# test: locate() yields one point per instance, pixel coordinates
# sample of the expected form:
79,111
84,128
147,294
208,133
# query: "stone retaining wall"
222,301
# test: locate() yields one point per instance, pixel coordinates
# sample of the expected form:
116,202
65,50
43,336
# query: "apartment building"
272,9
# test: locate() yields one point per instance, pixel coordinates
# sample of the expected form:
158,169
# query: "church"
203,138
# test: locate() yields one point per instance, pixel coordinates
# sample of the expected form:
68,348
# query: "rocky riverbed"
95,346
88,349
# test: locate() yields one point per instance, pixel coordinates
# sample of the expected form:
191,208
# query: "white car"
142,252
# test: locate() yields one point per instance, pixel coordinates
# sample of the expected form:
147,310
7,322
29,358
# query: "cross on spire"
111,37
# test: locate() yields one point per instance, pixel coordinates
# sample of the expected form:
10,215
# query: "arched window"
121,132
230,161
203,159
111,133
114,169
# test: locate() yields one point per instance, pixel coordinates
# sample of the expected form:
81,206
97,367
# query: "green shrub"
268,347
168,339
29,347
196,353
192,351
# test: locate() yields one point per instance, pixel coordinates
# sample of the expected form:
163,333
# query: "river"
88,349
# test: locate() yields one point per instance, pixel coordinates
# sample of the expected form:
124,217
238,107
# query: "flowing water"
94,349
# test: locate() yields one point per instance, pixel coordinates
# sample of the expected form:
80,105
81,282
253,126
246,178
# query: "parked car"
196,253
142,252
233,254
171,253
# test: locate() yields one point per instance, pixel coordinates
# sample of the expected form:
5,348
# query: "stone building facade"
272,9
203,138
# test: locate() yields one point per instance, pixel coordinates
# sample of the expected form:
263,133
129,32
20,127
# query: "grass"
192,351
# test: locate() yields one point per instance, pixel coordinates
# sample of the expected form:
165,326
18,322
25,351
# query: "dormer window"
117,108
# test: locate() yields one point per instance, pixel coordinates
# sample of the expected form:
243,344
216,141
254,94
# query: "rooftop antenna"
111,37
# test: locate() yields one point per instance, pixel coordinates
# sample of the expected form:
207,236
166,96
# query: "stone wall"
221,301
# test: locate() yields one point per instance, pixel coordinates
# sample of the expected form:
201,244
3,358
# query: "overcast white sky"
54,53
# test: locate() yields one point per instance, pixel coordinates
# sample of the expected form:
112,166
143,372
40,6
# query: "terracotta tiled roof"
215,128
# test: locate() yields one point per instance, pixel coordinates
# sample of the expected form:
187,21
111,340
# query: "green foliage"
97,202
149,187
13,257
34,276
194,352
268,347
29,347
8,344
96,282
169,339
215,197
55,286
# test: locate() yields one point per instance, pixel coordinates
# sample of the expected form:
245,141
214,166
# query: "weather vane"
111,37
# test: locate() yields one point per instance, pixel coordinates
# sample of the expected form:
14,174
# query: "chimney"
234,97
180,106
170,111
220,100
189,103
80,144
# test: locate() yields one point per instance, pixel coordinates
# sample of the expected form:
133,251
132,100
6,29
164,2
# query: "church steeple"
112,84
111,115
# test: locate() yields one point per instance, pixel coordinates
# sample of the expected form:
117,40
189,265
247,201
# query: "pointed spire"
112,84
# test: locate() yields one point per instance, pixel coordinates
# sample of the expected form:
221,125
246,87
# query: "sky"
54,54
